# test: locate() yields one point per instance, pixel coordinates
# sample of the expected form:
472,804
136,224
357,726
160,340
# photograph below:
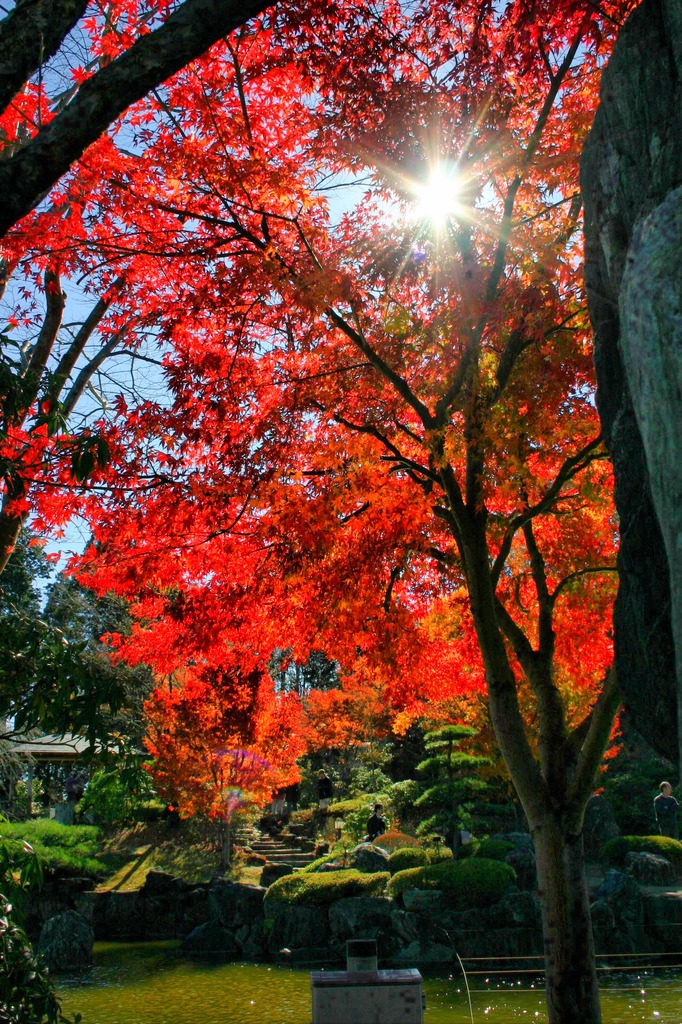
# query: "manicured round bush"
394,840
407,857
616,850
416,856
469,883
494,849
312,889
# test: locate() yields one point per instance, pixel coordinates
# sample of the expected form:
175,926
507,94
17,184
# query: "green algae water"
151,983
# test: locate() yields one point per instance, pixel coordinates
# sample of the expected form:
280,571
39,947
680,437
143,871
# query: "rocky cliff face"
631,177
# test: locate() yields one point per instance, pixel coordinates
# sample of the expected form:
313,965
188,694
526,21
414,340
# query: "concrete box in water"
367,997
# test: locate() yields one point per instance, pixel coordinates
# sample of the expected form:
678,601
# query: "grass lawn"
121,859
188,851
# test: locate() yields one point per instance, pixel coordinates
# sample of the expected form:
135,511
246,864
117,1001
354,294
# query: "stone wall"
231,921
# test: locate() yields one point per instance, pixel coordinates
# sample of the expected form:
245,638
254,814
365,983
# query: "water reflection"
151,983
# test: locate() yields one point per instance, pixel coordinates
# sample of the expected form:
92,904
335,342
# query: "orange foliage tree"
222,742
379,437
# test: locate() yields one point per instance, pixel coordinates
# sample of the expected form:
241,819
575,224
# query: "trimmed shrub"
310,889
407,857
616,850
315,865
416,856
70,848
494,849
469,883
341,807
394,840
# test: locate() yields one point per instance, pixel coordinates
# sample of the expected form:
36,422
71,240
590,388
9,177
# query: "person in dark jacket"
325,789
376,826
666,809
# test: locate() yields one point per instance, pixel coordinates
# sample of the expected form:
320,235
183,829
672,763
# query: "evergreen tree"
450,780
86,619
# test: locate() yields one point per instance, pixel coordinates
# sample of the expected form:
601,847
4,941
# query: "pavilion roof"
52,747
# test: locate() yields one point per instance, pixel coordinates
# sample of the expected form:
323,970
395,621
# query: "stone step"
280,851
293,859
261,845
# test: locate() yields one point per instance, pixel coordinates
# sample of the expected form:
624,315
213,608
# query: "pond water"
151,983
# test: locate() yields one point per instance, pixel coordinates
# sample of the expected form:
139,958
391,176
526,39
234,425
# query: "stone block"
66,941
360,917
210,938
650,869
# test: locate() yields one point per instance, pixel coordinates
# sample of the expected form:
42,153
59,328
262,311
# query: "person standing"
666,809
325,789
376,826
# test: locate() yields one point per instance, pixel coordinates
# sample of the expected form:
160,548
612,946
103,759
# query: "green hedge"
470,883
341,807
616,850
71,848
494,849
406,858
321,889
415,857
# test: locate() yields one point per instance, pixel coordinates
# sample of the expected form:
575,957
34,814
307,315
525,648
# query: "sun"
439,197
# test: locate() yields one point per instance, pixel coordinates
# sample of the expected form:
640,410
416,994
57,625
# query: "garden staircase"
281,850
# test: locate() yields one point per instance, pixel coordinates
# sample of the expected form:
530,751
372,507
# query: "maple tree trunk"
225,845
570,973
570,970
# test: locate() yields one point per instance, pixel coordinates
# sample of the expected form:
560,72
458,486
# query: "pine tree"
451,782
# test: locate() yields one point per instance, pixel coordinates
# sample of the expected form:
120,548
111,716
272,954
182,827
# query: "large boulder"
423,901
631,174
663,917
516,909
406,926
622,930
239,908
162,894
650,869
66,941
369,859
296,927
211,938
234,904
162,885
192,908
124,916
425,952
360,917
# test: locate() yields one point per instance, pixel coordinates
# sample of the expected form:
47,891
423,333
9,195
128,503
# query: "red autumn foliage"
379,436
222,742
